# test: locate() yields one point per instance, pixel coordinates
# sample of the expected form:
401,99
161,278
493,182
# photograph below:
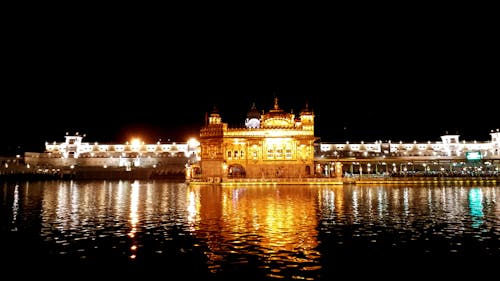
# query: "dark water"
171,231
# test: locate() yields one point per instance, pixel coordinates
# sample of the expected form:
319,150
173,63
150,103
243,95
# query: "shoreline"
348,181
453,180
151,174
91,173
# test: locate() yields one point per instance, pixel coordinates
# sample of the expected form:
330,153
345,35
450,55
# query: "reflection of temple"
275,144
256,224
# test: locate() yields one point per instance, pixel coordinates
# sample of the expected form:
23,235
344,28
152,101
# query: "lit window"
279,153
269,153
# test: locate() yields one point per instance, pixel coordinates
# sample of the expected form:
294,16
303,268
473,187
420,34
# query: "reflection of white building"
73,151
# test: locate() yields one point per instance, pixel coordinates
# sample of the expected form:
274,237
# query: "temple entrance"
236,171
308,171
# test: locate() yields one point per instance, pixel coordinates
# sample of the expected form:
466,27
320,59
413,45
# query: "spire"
215,109
214,117
253,112
306,109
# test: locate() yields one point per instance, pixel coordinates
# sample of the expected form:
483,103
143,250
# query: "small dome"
306,110
215,111
253,112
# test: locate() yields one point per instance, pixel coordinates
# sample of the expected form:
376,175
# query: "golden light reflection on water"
279,230
134,216
277,225
193,208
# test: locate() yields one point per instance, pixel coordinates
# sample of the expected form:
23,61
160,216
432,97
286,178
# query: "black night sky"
378,79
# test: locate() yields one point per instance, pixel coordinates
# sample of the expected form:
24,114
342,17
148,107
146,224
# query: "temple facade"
272,144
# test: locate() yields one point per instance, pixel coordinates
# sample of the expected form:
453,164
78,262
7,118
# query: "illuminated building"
95,158
273,144
450,156
277,146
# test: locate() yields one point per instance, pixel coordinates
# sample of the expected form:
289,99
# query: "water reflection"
275,227
15,206
111,216
262,232
476,206
134,216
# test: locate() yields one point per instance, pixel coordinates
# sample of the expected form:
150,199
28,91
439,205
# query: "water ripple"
263,233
